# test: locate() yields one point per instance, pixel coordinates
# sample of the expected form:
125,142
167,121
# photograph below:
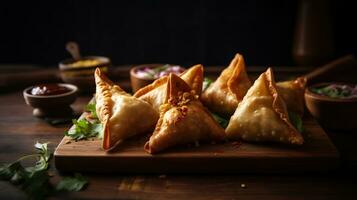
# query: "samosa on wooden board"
183,119
223,95
155,93
121,114
262,115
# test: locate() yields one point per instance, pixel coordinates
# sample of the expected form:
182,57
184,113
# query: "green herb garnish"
206,83
335,91
220,120
84,129
91,108
34,180
75,183
16,173
296,121
160,69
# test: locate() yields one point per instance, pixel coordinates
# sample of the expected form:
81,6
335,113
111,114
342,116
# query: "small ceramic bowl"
83,75
138,82
332,113
52,105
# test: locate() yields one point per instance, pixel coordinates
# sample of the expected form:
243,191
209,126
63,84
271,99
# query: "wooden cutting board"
317,154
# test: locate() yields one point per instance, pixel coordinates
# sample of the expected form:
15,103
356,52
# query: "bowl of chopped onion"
145,74
334,105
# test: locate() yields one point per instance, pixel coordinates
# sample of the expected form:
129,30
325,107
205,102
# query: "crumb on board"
243,185
68,142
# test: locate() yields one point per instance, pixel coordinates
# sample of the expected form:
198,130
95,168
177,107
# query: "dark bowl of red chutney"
51,100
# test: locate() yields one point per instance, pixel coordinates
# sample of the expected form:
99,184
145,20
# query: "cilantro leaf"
34,180
206,83
13,172
42,163
296,121
91,108
76,183
220,120
37,185
84,129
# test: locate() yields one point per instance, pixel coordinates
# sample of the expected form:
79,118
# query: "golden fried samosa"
183,119
155,93
121,114
292,93
262,115
223,96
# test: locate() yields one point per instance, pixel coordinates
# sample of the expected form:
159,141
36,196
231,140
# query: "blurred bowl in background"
81,72
331,112
145,74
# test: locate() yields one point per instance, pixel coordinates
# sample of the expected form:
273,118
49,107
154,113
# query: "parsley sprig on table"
76,183
35,180
83,128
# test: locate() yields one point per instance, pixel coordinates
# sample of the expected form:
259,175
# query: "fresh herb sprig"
91,108
336,91
83,128
76,183
206,83
35,180
296,121
220,120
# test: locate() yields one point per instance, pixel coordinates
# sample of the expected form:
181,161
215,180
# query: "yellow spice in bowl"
85,63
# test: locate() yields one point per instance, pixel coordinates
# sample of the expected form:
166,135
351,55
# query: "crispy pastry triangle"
121,114
262,115
183,119
292,93
223,96
155,93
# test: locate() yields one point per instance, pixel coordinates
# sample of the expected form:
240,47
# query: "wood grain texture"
317,154
19,131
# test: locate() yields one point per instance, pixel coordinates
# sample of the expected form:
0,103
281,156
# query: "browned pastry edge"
278,107
104,84
175,97
239,61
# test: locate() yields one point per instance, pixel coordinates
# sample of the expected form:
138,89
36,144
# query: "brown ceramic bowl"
138,82
52,105
83,75
332,113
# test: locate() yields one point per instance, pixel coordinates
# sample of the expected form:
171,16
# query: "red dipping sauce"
49,89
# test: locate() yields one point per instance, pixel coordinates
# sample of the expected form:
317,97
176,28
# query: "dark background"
161,31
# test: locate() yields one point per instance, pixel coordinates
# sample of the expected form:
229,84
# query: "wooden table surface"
19,131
